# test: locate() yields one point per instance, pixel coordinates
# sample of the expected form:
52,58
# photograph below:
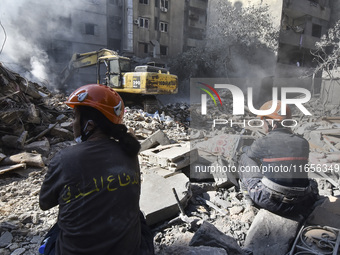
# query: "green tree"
327,53
235,38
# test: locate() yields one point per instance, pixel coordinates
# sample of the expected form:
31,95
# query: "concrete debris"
200,250
172,157
158,138
326,214
209,235
31,159
5,239
176,142
155,188
271,234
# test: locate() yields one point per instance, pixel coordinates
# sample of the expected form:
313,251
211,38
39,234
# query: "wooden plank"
5,169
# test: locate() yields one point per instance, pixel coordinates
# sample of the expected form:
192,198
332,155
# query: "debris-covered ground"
212,215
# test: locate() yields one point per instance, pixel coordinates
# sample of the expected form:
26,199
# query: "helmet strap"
85,134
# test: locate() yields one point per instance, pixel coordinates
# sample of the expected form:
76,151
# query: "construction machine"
136,87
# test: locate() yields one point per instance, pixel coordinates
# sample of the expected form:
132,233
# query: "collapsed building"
189,211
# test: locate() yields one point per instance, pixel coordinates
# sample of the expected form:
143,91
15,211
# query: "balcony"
315,8
298,39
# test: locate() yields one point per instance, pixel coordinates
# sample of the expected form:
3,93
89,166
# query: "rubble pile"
189,212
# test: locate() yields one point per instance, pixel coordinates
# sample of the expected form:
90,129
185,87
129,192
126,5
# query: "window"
164,5
114,20
164,50
144,1
144,22
89,29
316,30
163,27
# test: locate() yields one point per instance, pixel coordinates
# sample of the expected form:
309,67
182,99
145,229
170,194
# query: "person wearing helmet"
96,182
272,170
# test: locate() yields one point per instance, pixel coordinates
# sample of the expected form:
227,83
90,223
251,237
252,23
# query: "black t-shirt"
283,156
97,188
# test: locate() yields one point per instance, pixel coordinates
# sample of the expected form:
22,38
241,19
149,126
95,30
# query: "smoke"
29,28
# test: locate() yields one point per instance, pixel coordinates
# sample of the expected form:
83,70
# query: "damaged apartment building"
156,30
301,24
146,30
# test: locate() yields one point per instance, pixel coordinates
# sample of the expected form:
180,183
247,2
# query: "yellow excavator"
139,86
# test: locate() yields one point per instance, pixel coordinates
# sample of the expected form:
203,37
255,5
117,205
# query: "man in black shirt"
272,169
96,183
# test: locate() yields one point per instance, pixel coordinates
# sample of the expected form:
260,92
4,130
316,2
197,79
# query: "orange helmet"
100,97
277,113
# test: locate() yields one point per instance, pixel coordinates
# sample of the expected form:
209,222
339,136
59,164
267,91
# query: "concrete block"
271,234
187,250
162,172
172,157
62,133
157,198
215,158
209,235
5,239
198,168
42,147
158,138
10,141
326,214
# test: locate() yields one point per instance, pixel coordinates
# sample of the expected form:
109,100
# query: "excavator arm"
80,60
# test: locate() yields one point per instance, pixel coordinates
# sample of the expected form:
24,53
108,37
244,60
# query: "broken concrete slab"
209,235
198,171
172,157
216,158
2,156
42,147
326,214
5,239
31,159
62,132
158,138
10,141
187,250
162,172
157,198
271,234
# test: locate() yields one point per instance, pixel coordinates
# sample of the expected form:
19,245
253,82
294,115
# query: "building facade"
146,30
301,24
164,28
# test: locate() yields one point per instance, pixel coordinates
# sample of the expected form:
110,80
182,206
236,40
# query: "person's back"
98,203
280,181
96,183
283,157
